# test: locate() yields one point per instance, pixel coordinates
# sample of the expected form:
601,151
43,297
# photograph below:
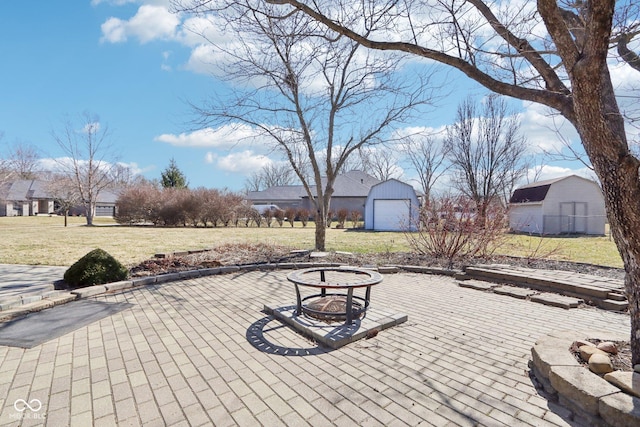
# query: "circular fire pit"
339,303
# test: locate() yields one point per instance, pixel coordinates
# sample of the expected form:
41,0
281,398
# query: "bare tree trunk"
622,193
322,209
321,231
601,128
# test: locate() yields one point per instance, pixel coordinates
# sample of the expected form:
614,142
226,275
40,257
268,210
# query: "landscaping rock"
600,363
586,351
629,382
608,347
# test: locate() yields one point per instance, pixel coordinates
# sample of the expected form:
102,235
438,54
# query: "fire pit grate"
334,305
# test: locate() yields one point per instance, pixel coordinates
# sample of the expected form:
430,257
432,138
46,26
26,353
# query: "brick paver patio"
200,352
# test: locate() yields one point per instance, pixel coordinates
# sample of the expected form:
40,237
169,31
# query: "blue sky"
134,65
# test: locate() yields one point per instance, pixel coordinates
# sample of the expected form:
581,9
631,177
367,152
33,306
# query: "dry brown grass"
44,240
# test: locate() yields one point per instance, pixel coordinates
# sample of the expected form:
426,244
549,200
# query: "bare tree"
5,170
23,160
427,157
380,162
277,174
64,193
305,91
486,152
123,176
88,160
254,182
271,175
505,48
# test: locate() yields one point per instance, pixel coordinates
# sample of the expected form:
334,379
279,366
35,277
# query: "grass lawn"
44,240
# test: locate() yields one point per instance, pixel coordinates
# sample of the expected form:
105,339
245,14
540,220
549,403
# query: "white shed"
567,205
391,206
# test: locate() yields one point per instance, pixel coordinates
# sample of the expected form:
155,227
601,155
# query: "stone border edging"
592,399
90,291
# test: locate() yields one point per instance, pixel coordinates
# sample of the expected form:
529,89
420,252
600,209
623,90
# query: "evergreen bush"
95,268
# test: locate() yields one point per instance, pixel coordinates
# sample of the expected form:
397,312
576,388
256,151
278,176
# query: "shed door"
391,215
573,217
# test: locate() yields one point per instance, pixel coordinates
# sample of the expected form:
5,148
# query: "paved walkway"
16,280
200,352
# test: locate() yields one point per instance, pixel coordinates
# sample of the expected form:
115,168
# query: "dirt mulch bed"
261,253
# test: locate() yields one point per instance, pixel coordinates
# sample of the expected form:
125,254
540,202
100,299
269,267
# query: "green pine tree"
172,176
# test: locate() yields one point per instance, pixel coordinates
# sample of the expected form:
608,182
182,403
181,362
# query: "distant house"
284,196
567,205
391,206
105,205
25,197
28,197
350,192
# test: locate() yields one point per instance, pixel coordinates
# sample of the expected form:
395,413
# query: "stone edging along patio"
61,297
592,399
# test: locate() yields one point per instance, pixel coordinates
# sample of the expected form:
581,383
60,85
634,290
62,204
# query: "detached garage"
567,205
391,206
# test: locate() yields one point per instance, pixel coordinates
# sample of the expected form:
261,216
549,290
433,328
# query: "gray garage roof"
351,184
279,192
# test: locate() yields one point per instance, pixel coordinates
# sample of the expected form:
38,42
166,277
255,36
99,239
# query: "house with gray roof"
350,192
28,197
25,197
566,205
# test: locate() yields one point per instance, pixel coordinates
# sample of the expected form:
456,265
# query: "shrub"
355,217
256,217
267,214
279,216
95,268
136,204
290,214
303,214
342,217
330,217
451,229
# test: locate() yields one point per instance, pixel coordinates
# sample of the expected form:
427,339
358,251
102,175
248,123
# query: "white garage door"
390,214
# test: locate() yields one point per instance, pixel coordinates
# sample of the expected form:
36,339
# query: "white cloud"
224,137
203,60
151,22
550,172
241,162
210,157
114,31
545,130
135,168
65,164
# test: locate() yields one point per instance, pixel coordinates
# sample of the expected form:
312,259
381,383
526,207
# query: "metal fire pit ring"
353,309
